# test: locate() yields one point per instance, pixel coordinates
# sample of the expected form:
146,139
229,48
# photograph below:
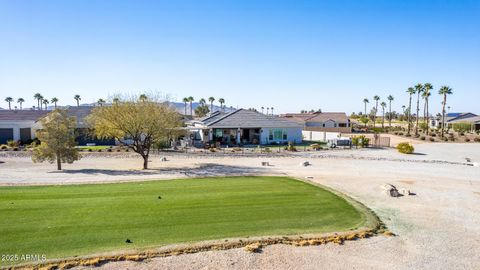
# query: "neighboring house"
21,125
452,118
243,127
321,121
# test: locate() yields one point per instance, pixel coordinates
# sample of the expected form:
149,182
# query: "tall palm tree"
383,105
191,99
115,100
222,101
143,97
376,98
390,99
419,91
77,98
211,99
262,109
20,101
271,110
426,95
202,101
101,101
185,101
45,102
54,101
444,90
366,101
37,97
410,91
268,109
9,100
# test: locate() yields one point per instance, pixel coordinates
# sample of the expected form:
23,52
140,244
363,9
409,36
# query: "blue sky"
291,55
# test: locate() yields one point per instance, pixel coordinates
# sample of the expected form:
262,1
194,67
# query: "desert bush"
462,127
4,147
395,133
467,140
476,139
290,147
99,150
361,141
408,135
445,139
405,148
267,150
109,150
90,150
253,248
422,138
211,149
423,126
432,139
452,139
316,146
400,133
433,134
462,134
12,143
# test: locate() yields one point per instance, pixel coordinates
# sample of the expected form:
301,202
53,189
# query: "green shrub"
290,147
316,146
477,139
432,139
462,127
4,147
422,138
12,143
405,148
360,141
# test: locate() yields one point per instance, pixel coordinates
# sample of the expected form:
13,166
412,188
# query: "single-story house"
21,125
321,121
241,127
452,118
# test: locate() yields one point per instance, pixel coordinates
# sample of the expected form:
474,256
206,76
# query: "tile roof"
21,115
242,118
317,117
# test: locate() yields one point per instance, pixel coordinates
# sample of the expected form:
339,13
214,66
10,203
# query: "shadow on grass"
205,169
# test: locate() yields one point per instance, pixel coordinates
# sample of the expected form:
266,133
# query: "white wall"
17,125
319,135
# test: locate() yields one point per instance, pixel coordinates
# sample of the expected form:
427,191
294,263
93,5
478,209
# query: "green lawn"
94,147
64,221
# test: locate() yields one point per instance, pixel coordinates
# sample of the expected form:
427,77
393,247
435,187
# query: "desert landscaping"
435,226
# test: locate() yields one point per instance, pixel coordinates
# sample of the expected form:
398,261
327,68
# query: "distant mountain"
180,107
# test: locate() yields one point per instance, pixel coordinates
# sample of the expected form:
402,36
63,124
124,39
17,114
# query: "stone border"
373,226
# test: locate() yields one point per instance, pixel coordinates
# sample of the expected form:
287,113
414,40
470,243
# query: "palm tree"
390,99
271,110
366,101
20,101
77,98
185,101
221,101
403,108
54,101
268,110
45,102
262,109
376,98
143,97
418,90
426,94
383,105
190,99
9,100
211,99
444,90
410,91
37,97
101,101
202,101
115,100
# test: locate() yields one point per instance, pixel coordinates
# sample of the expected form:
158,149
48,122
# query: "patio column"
210,134
238,136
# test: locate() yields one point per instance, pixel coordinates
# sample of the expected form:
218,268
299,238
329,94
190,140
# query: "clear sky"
291,55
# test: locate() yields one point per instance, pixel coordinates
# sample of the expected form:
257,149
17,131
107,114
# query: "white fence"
320,135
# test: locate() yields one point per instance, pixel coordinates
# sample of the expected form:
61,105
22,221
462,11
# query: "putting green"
74,220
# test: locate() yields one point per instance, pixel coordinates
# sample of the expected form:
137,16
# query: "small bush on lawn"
109,150
99,150
422,138
90,150
405,148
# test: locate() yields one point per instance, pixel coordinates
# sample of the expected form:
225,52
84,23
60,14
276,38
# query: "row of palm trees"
42,102
202,102
423,92
383,104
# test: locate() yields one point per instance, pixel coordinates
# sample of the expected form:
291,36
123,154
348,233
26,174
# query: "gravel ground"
438,228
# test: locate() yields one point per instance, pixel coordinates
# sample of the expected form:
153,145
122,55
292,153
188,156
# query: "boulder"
305,164
391,190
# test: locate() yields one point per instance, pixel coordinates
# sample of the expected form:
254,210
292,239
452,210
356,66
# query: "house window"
342,125
277,134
